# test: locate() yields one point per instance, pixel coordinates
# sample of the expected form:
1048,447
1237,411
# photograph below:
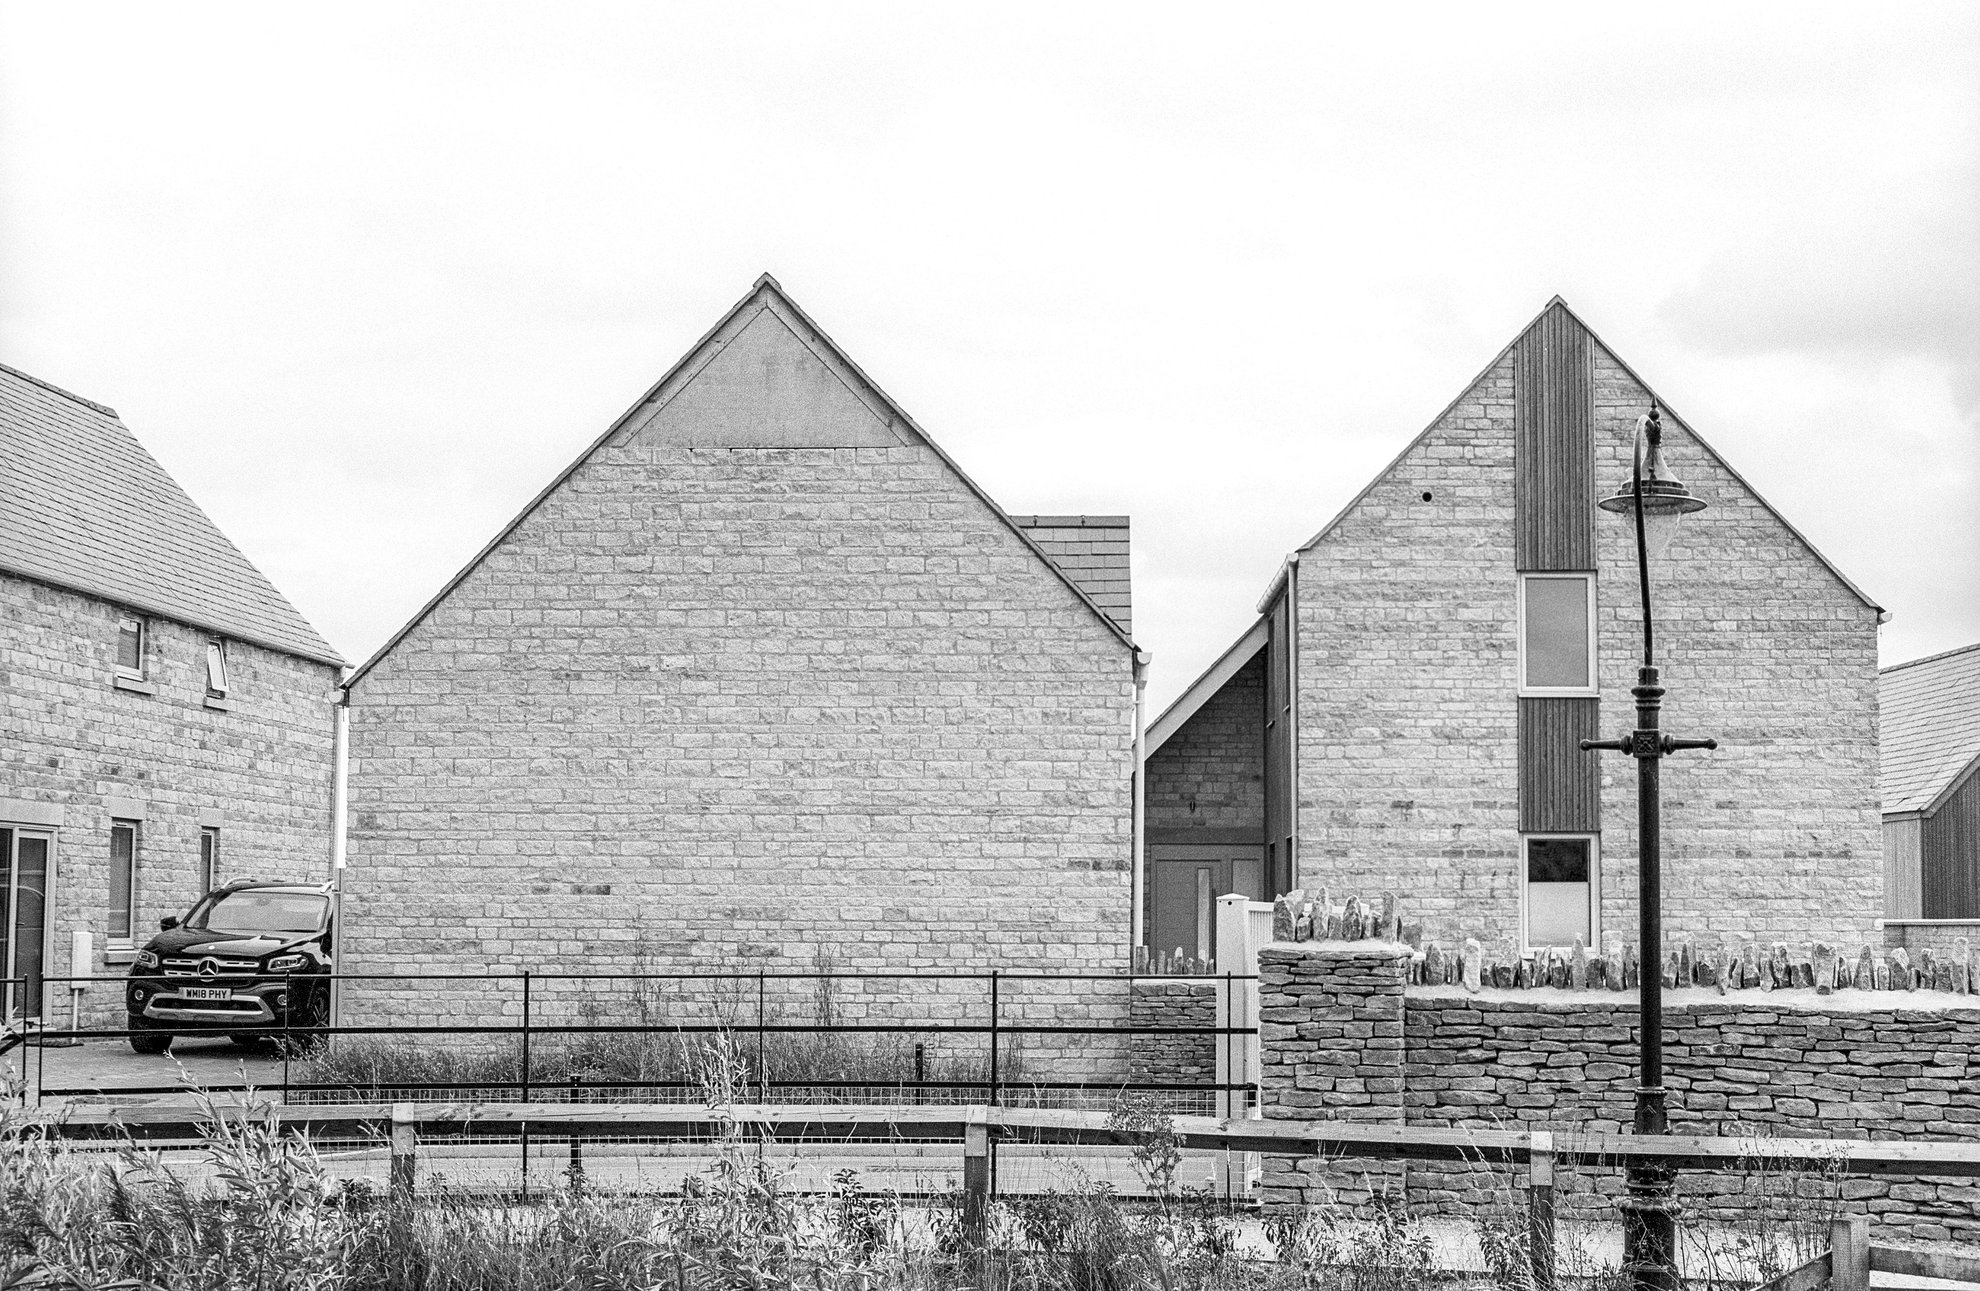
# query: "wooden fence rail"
403,1126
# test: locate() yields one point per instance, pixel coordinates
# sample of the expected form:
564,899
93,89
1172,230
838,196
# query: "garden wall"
1343,1037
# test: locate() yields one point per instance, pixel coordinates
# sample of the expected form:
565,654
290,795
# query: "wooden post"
1849,1253
403,1151
976,1177
1540,1209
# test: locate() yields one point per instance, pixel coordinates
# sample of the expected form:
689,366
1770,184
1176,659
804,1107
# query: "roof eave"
231,632
1208,683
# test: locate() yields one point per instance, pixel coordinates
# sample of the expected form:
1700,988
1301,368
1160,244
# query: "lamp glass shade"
1659,527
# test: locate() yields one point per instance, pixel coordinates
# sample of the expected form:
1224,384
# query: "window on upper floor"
216,669
130,647
1563,889
1557,634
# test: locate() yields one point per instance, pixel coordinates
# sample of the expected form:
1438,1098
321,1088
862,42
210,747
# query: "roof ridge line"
1930,658
32,379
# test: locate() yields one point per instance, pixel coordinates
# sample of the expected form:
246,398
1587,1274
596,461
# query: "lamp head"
1666,500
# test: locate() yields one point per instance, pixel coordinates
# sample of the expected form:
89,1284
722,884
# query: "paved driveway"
107,1069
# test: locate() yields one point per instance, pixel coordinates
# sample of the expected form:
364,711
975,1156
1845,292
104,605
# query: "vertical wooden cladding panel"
1902,899
1949,856
1279,788
1560,787
1553,446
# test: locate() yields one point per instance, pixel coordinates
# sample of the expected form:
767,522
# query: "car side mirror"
168,922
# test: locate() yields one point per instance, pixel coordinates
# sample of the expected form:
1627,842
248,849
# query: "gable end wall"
1407,715
746,708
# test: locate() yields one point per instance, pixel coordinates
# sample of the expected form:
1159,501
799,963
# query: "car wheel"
246,1041
151,1043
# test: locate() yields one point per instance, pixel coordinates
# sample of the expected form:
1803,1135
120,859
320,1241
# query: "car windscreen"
254,910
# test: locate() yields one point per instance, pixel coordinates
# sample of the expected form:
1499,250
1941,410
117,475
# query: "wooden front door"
1183,886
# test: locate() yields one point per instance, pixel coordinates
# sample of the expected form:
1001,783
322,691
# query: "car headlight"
287,963
145,959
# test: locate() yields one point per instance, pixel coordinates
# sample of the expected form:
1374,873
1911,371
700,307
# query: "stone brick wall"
734,709
1407,688
261,768
1211,773
1788,1064
1941,936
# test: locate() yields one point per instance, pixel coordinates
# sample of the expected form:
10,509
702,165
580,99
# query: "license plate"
207,993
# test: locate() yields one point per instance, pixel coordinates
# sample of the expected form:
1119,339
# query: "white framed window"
209,859
123,882
1560,890
216,669
130,647
1557,634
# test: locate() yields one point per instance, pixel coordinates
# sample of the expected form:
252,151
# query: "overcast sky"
364,278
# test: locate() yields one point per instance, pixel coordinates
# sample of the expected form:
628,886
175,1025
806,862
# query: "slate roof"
84,506
1930,727
1093,552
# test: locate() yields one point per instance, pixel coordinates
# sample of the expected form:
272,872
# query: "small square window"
1562,891
130,648
1557,634
216,669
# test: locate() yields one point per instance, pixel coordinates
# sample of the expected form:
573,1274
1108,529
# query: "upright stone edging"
1330,1020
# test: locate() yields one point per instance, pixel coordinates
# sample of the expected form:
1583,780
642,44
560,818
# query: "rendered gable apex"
1559,307
764,377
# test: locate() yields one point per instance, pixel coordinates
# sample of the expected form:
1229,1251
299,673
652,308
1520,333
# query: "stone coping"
1796,999
1368,947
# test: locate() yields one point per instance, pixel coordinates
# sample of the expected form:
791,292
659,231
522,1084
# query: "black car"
251,961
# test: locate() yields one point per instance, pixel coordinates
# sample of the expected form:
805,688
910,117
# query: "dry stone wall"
1187,1052
1789,1063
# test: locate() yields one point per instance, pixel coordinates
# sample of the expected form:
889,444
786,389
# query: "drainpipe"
1292,714
1140,861
340,762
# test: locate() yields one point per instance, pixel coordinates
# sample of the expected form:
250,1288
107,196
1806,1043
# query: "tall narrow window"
130,648
1563,891
1557,634
216,670
123,878
209,859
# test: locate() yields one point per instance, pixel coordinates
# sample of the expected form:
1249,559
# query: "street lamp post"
1657,501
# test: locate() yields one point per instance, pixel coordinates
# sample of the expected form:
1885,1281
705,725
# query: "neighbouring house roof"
1214,679
1558,303
1093,552
1930,729
735,325
85,507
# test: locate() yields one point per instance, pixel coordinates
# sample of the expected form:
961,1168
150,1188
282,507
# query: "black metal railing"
1005,1020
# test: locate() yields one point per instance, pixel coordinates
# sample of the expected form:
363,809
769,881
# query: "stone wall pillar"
1330,1023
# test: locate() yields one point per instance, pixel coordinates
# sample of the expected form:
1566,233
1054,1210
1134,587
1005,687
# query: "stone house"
1931,788
1405,713
762,679
170,717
